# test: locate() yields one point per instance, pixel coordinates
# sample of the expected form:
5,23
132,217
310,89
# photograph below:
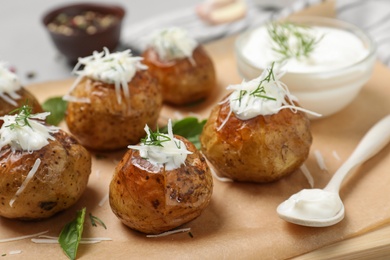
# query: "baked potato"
104,123
258,134
153,199
184,80
60,171
25,98
13,95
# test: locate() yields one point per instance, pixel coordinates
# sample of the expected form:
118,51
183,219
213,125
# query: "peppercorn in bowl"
79,29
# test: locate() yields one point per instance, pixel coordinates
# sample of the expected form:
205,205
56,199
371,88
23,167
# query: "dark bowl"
82,44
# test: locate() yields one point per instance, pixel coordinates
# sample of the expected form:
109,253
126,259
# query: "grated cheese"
170,232
116,68
54,240
222,179
29,176
171,154
15,252
336,155
28,137
22,237
320,160
270,100
307,174
173,43
9,85
103,200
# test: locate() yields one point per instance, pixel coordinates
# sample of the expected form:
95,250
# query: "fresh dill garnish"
95,219
260,90
284,34
155,138
22,116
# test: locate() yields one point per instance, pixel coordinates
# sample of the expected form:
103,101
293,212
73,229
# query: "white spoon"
323,207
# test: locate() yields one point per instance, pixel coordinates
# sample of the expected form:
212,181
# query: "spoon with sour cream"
323,207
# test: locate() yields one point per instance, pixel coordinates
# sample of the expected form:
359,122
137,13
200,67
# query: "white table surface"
26,46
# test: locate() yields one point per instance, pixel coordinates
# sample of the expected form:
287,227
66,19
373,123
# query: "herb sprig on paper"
291,40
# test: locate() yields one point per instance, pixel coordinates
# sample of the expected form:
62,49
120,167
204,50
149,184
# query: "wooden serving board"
241,221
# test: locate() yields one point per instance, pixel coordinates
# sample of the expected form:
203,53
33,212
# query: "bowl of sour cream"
326,61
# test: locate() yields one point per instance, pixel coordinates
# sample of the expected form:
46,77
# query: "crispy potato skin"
182,81
26,98
152,200
58,183
261,149
103,124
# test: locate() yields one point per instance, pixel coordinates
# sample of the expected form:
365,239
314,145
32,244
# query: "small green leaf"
70,236
95,219
189,127
57,107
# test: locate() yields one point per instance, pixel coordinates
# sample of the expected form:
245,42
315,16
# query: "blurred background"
26,46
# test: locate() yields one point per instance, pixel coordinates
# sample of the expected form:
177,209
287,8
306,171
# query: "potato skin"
26,98
182,81
104,124
58,183
153,200
261,149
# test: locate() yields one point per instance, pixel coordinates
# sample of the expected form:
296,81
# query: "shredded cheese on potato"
28,137
173,43
116,68
265,95
9,84
28,178
171,153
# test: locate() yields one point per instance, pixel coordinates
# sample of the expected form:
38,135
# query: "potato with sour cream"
43,170
182,66
258,133
12,94
160,184
113,98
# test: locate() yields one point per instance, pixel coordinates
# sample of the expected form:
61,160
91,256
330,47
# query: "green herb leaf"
95,219
70,236
23,113
281,34
189,127
57,107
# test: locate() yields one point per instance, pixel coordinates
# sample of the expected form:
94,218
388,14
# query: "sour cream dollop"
27,133
334,49
9,85
171,153
312,204
265,95
173,43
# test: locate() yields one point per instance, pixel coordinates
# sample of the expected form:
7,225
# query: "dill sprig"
22,116
155,138
260,90
282,34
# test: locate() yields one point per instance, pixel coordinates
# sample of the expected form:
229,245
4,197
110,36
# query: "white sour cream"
171,154
312,204
27,137
265,95
335,49
173,43
9,84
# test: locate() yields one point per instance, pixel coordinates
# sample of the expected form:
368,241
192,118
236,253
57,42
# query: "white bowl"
323,92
